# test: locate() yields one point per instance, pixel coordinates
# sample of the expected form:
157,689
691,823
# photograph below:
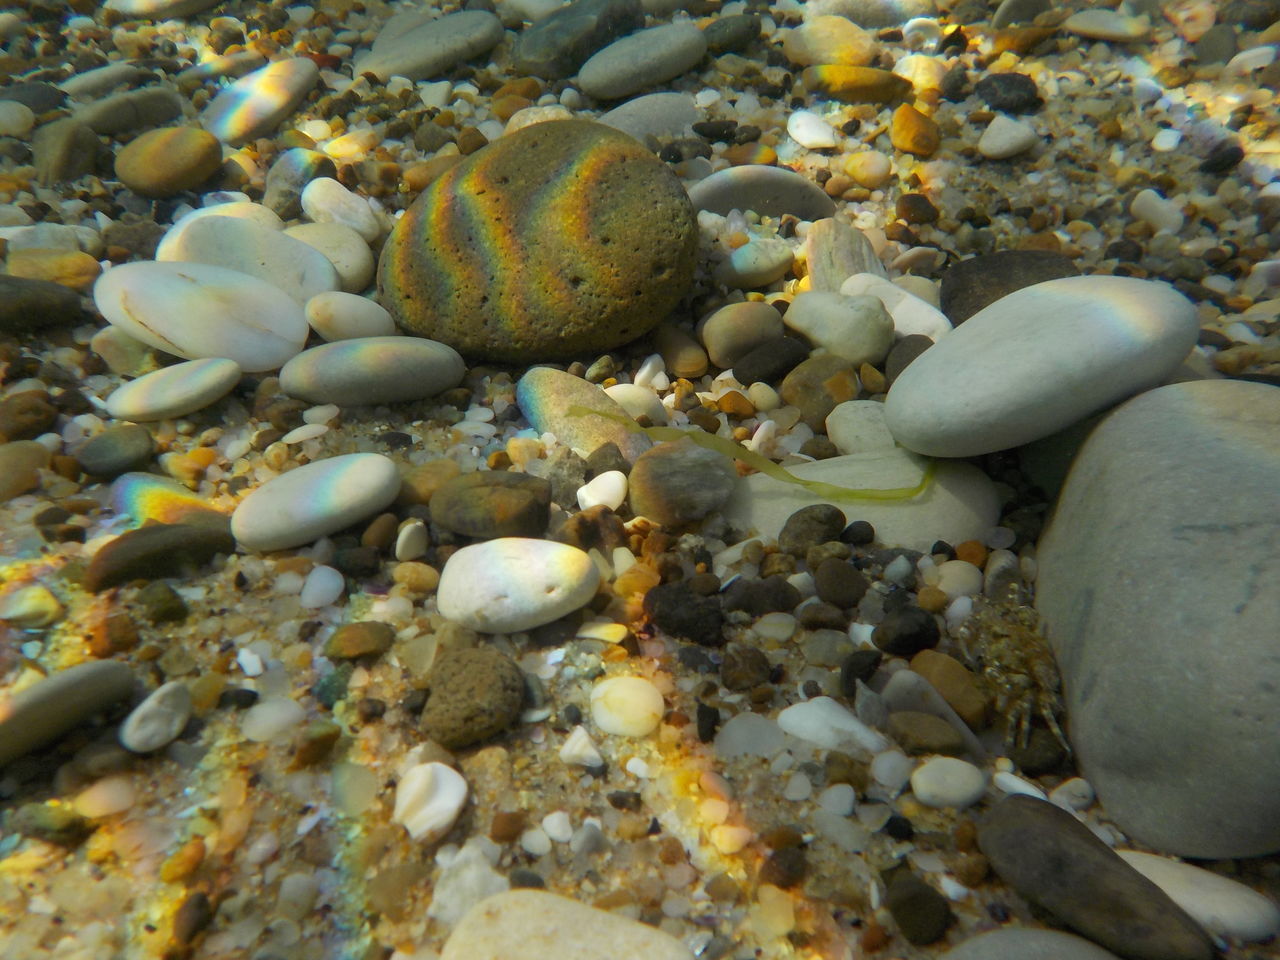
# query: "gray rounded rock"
370,370
116,450
642,60
678,482
157,720
47,710
556,46
416,46
769,191
1156,583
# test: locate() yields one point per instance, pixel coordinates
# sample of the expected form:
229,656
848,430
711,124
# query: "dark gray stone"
116,450
555,47
28,305
63,150
1055,862
972,284
45,711
732,34
289,176
678,482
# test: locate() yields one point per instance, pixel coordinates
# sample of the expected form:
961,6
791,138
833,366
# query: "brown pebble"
972,551
26,415
419,484
190,919
912,132
470,140
361,639
316,744
785,869
419,578
743,154
873,380
507,825
971,869
530,88
418,176
381,531
70,268
184,861
932,599
505,107
735,404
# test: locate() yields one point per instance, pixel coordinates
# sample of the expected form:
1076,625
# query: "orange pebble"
972,551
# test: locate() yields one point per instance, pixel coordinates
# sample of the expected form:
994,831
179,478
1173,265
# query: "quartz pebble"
515,583
537,925
811,131
1005,137
948,782
325,200
314,500
1162,214
1219,904
857,328
609,488
174,391
626,706
342,247
756,264
288,264
272,719
30,607
825,722
911,315
323,586
158,720
173,238
194,310
579,750
1104,24
429,798
370,370
337,315
829,39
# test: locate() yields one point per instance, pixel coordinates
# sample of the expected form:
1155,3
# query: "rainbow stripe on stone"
145,497
563,238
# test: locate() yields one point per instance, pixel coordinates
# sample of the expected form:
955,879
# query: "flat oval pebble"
515,583
642,59
1103,24
157,720
337,315
537,925
174,391
1039,360
52,707
626,706
297,268
369,370
948,782
514,255
1219,904
255,104
416,44
313,500
548,398
1006,137
194,310
239,209
769,191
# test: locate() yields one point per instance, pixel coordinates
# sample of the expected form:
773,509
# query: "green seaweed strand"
736,451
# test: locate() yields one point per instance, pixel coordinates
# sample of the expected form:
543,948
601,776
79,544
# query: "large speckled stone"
562,239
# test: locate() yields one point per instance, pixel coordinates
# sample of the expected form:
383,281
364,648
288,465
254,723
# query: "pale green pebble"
546,396
31,607
756,264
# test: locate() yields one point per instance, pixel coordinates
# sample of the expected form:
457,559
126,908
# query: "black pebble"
1222,157
1010,92
859,665
758,597
899,828
675,609
906,631
770,362
522,878
859,533
708,720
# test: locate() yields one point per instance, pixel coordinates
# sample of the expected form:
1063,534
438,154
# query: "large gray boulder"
1158,584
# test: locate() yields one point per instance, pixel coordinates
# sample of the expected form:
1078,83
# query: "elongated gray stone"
53,707
769,191
415,46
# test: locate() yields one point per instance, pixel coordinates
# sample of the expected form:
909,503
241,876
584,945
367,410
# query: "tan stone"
829,39
855,84
912,132
71,268
536,925
170,160
957,685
